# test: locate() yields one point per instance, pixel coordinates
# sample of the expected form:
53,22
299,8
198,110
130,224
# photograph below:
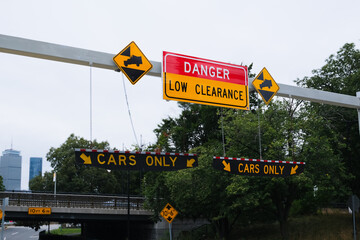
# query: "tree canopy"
73,178
340,74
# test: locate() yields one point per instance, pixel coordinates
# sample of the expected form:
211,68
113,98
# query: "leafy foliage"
288,132
2,187
340,74
73,178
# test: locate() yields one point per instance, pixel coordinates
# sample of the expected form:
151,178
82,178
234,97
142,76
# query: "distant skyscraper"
35,167
10,169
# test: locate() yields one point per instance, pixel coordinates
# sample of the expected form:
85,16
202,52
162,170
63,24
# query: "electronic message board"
258,167
126,160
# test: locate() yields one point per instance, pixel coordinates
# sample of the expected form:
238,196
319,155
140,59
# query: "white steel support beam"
318,96
56,52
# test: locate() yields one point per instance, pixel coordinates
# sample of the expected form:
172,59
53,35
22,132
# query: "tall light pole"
54,179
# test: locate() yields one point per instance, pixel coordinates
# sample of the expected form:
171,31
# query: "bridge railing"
71,200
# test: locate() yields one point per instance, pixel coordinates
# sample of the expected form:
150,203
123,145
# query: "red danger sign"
198,80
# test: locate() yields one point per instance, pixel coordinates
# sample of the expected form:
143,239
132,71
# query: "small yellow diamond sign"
132,62
169,213
265,85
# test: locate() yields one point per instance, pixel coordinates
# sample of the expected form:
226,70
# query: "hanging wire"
91,102
127,103
222,131
259,111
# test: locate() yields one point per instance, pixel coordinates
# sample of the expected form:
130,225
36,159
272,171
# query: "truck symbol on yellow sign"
265,85
132,62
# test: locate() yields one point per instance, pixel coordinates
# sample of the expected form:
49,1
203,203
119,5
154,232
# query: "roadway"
24,233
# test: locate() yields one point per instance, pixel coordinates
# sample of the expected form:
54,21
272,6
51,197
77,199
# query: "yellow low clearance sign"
39,211
202,81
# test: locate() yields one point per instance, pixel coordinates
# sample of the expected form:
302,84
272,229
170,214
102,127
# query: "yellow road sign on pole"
132,62
265,85
169,213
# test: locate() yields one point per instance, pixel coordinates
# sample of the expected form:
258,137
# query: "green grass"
66,231
331,225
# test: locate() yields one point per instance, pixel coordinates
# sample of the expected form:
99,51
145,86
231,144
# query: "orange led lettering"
132,160
122,159
240,165
164,162
158,161
281,169
98,158
257,168
111,160
149,161
173,161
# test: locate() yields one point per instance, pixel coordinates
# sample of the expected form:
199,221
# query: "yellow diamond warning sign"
169,213
132,62
265,85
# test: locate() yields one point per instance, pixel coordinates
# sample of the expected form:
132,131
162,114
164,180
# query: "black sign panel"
257,167
125,160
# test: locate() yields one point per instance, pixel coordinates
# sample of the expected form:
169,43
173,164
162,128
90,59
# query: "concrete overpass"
74,207
101,217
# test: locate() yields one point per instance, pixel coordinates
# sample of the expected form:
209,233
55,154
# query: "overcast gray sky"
43,102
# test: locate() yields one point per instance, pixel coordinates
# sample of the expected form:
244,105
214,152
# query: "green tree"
74,178
2,187
340,74
196,125
289,132
202,192
196,192
42,183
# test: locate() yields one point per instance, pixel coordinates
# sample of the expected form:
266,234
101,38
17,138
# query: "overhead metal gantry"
61,53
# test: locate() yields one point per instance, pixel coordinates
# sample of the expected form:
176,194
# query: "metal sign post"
354,204
170,233
353,215
5,203
169,213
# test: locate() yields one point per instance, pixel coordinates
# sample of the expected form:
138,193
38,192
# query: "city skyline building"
10,169
35,168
